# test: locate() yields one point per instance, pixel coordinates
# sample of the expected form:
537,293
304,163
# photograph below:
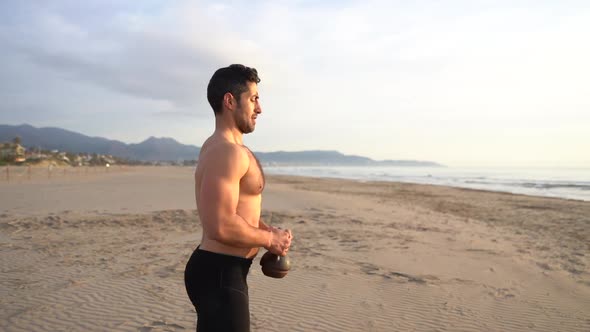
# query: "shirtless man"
228,189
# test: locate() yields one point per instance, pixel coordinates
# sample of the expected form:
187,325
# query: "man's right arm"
219,195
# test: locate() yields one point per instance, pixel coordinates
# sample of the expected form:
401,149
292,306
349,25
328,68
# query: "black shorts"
216,285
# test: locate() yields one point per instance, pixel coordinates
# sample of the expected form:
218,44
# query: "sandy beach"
106,251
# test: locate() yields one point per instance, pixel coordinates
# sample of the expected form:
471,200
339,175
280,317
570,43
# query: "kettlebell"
275,266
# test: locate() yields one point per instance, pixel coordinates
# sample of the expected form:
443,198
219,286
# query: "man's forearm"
237,232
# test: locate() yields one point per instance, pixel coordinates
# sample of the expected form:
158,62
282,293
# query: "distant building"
12,152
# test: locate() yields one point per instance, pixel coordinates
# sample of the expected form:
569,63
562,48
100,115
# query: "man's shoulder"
226,147
221,150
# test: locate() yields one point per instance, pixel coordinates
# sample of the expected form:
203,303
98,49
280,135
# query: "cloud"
162,56
367,71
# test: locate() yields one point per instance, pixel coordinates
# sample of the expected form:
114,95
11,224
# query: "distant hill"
320,157
159,149
167,149
152,149
311,157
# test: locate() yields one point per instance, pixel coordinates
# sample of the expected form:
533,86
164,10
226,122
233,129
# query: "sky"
462,83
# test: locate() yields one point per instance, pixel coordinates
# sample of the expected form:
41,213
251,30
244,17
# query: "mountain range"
168,149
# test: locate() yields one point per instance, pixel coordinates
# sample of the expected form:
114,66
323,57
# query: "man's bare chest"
253,181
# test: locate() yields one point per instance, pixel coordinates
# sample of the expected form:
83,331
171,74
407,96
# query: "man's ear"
229,101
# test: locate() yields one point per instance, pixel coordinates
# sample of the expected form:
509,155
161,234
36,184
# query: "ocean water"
570,183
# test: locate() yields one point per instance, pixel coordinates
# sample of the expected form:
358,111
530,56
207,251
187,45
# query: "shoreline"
560,183
19,175
442,186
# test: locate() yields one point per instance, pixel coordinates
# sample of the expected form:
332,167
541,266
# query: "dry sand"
106,251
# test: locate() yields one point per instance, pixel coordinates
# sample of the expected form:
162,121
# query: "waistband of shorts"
223,259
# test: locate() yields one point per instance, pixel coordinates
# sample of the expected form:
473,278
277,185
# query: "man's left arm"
270,228
264,226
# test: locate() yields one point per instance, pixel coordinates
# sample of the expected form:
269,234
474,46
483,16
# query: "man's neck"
230,133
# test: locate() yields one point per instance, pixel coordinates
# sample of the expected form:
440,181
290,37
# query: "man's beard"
244,126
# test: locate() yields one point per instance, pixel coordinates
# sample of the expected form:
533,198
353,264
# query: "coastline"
568,183
107,251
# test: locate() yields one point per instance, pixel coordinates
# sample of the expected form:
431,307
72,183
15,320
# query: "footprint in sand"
161,325
500,293
407,277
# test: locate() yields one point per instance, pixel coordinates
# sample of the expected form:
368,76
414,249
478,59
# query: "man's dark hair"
232,79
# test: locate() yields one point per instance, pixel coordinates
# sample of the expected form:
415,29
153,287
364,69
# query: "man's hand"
280,241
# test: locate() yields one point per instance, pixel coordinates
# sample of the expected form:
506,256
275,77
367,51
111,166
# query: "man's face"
248,109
